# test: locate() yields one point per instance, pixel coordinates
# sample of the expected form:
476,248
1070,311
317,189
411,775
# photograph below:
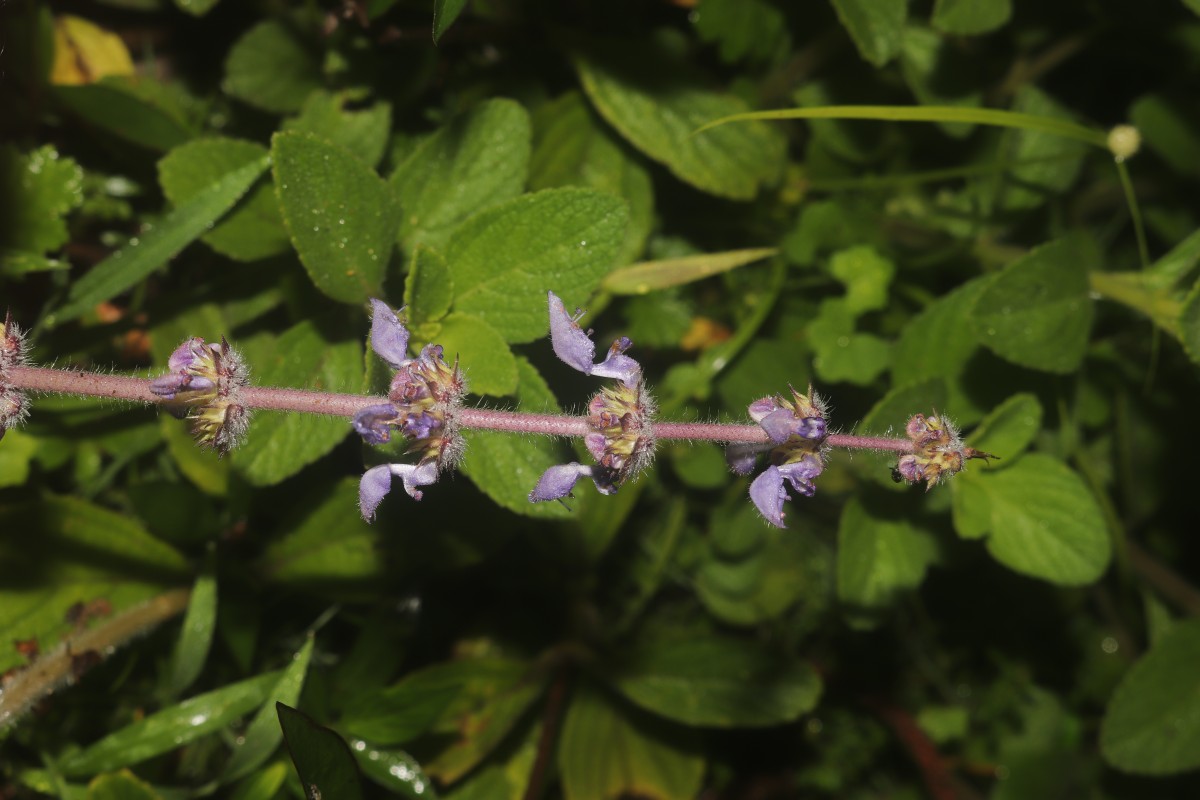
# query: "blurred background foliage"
1026,631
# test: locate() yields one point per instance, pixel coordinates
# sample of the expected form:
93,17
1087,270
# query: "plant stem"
137,390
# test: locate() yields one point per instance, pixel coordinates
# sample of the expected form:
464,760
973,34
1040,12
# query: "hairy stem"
136,390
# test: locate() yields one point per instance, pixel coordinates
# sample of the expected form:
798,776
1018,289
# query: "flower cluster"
620,416
203,385
423,397
14,405
938,451
796,428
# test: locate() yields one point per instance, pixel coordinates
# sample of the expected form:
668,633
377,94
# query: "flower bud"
204,386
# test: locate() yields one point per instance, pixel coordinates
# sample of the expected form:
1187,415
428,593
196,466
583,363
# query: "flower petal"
389,337
741,458
373,423
618,365
768,495
372,488
801,474
423,474
558,481
185,355
570,342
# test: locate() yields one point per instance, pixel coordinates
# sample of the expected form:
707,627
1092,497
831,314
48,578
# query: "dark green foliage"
175,625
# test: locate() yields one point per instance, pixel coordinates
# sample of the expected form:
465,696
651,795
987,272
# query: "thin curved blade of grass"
647,276
979,116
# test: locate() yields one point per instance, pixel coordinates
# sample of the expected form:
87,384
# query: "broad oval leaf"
340,215
1152,726
879,556
1010,428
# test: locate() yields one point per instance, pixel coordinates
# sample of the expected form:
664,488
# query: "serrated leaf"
507,474
63,551
1043,521
473,162
657,104
1152,725
340,215
428,289
504,260
41,188
1010,428
272,68
879,556
970,17
1048,163
742,29
322,758
716,682
573,147
263,734
649,276
364,132
875,26
195,637
488,361
326,541
445,12
281,444
253,229
1036,312
158,244
173,726
608,751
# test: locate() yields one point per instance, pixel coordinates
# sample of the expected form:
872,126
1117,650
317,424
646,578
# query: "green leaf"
504,260
402,712
264,733
476,160
1036,312
364,133
717,682
394,770
880,556
340,215
1152,726
876,26
1044,522
158,244
444,14
281,444
938,343
750,29
658,103
508,474
893,411
197,8
62,551
428,289
971,509
272,68
496,694
866,275
208,471
173,726
650,276
1050,162
264,783
139,111
123,785
16,453
939,74
970,17
573,147
1170,128
325,540
322,758
254,229
1189,324
195,638
1010,428
608,751
489,363
40,188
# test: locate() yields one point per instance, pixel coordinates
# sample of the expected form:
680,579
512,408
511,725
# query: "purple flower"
377,482
621,437
768,490
576,348
423,397
937,450
203,385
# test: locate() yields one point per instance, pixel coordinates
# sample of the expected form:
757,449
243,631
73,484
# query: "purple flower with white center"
621,437
423,397
796,429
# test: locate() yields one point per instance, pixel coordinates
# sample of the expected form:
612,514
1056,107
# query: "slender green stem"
1135,213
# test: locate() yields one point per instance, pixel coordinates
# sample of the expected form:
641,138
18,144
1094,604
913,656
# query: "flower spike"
204,385
938,451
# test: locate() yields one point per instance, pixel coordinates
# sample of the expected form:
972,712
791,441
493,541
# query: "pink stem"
120,387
